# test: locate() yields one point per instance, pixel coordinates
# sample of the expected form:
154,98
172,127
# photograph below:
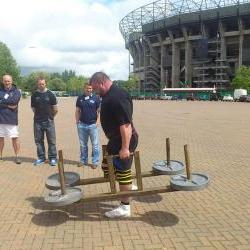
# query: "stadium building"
197,44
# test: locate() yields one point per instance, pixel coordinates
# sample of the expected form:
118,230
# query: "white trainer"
134,187
121,211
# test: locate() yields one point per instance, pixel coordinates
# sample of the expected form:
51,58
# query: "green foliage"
242,78
56,84
55,81
75,84
131,85
67,75
119,83
8,64
55,75
185,84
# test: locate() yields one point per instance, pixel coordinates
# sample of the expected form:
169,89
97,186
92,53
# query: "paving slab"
217,217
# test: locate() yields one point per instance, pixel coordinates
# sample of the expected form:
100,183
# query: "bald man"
117,123
9,99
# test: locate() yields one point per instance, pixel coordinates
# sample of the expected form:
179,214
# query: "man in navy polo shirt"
87,112
9,99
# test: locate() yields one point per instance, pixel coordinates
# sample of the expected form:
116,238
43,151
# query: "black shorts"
122,167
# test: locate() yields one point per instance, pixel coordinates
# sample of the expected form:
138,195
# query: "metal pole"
128,64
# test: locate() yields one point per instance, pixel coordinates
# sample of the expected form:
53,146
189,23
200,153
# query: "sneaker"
53,162
1,159
18,161
134,187
121,211
94,166
39,162
81,164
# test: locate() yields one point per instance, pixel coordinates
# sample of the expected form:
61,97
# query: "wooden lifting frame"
114,194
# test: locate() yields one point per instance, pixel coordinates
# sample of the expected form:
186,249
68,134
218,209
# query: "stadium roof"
162,9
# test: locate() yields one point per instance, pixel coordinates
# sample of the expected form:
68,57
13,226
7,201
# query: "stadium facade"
192,43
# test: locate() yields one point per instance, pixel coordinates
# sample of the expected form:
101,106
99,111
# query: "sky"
79,35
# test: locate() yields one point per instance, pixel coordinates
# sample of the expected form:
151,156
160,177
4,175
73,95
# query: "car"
156,97
248,98
238,93
244,98
25,94
214,97
141,97
174,98
227,98
166,97
191,97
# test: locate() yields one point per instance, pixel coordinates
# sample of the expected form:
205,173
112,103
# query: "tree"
56,84
242,78
132,84
120,83
75,84
67,75
55,75
8,64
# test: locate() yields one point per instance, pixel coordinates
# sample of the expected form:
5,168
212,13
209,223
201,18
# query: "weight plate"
198,181
53,182
56,198
174,168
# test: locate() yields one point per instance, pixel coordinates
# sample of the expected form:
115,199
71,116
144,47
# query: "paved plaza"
218,217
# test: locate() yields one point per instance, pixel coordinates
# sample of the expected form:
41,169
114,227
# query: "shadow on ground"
22,158
25,159
93,211
148,199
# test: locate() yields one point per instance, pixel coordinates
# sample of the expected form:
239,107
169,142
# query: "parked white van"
238,93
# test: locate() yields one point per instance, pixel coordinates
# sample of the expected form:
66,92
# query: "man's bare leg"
16,146
1,147
125,200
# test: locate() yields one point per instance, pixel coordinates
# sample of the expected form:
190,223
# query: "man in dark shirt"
116,121
86,114
44,105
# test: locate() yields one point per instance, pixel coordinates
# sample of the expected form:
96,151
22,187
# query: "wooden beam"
138,170
187,161
111,196
103,180
61,172
168,150
111,174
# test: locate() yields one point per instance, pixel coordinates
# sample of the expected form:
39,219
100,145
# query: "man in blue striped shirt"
86,115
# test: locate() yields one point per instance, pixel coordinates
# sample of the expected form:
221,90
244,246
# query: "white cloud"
74,34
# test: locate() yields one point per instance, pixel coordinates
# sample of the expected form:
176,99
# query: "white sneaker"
121,211
134,187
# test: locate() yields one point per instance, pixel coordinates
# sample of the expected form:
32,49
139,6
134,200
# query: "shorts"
7,130
122,167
